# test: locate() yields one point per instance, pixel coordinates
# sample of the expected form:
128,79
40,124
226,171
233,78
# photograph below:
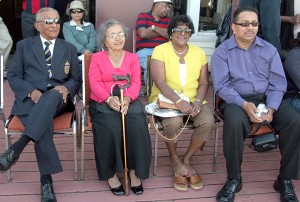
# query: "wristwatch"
152,27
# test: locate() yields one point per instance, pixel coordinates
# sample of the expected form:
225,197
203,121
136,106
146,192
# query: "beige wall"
125,11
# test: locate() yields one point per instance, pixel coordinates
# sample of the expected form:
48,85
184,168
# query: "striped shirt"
32,6
147,20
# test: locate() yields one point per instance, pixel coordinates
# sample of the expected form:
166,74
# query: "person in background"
106,108
44,86
6,41
78,32
290,24
246,71
30,8
61,6
151,30
182,67
292,70
269,19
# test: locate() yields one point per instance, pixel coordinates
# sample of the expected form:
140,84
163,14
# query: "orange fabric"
61,122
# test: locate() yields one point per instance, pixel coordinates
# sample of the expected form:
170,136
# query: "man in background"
151,30
6,41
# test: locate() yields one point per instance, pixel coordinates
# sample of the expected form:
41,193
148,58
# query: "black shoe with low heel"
118,190
137,190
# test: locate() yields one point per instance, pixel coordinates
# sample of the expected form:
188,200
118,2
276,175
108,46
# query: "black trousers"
39,127
286,121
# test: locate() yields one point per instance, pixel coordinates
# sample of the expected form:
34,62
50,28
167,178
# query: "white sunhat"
78,5
166,1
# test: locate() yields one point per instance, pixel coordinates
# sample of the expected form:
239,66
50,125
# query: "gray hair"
103,28
42,10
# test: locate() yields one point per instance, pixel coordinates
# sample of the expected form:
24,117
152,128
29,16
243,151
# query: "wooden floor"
259,173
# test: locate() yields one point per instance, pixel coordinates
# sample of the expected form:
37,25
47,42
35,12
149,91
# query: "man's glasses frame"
113,36
50,21
247,24
177,30
77,11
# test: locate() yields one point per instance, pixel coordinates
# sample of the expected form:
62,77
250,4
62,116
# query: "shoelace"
288,187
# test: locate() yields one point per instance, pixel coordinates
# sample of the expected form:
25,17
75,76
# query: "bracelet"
197,100
179,100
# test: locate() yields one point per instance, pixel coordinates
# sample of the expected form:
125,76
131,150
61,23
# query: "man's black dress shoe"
47,193
227,193
137,190
7,159
118,190
286,190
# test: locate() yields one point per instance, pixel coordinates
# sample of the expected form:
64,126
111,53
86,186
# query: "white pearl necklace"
181,52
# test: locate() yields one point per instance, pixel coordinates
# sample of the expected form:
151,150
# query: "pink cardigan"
102,81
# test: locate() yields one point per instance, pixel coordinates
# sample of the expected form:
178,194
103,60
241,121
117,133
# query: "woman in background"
79,33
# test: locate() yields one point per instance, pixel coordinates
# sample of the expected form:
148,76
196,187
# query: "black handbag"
265,141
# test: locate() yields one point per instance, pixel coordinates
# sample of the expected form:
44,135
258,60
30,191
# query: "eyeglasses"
180,31
113,36
49,21
77,11
247,24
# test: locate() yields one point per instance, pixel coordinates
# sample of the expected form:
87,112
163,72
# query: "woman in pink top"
106,107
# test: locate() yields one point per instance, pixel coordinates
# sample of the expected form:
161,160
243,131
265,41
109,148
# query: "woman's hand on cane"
114,103
125,105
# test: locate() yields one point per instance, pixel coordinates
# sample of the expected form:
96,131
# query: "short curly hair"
103,28
180,20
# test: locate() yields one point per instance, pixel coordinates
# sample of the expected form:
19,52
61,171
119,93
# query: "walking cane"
127,78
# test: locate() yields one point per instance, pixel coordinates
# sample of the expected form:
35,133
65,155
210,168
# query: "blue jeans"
295,102
143,53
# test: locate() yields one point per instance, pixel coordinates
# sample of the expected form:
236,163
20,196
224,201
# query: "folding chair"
189,125
84,115
63,124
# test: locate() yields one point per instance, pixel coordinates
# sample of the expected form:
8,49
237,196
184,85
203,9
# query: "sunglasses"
113,36
77,11
247,24
180,31
49,21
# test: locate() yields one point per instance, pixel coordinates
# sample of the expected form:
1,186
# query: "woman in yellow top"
177,65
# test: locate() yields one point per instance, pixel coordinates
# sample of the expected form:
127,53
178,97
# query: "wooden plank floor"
259,173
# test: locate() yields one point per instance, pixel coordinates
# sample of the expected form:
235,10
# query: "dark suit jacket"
29,71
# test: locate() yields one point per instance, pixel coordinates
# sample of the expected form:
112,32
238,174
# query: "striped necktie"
48,57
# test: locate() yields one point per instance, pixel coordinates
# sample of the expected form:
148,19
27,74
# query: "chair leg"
155,154
75,150
7,144
215,155
82,143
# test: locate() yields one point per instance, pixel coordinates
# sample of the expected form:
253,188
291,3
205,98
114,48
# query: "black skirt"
108,140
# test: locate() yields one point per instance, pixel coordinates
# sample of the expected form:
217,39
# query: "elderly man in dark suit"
45,76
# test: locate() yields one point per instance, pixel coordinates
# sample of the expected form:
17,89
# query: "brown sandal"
180,183
196,182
